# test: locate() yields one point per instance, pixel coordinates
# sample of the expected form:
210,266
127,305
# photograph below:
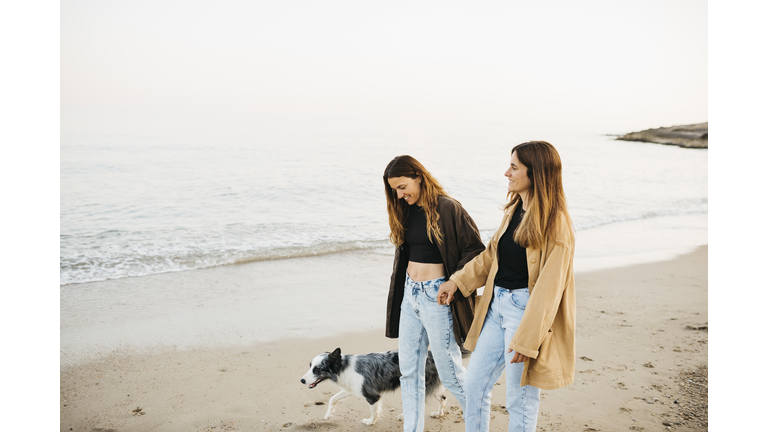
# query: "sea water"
146,194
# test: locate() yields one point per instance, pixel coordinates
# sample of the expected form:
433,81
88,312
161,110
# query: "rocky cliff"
691,136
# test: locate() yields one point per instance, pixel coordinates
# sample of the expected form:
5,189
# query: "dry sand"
641,365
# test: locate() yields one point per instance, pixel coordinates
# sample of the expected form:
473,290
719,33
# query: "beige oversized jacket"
546,333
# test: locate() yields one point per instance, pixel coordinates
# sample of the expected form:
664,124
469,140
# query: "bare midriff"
421,272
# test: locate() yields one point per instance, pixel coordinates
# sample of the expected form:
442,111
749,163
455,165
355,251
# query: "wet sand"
217,360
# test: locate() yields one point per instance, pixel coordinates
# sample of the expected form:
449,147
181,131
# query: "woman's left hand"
445,293
517,358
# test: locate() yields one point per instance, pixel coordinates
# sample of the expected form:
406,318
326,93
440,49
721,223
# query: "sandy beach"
641,362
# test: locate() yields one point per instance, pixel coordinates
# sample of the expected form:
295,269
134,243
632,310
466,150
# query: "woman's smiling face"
518,176
407,188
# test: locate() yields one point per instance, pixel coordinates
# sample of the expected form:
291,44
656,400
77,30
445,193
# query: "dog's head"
324,366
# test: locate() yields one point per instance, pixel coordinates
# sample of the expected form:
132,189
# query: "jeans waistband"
424,284
511,289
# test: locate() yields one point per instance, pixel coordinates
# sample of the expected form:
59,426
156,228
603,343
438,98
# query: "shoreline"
599,246
641,329
252,302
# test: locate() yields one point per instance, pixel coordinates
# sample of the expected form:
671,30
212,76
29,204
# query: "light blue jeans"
490,358
425,324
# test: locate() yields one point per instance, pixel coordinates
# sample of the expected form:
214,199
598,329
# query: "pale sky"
615,64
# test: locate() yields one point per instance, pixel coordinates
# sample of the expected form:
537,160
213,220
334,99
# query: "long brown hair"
546,198
407,166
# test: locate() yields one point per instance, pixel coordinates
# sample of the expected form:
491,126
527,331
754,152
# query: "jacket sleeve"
468,238
543,302
474,273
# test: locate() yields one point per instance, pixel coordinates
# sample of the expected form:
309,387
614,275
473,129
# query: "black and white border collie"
368,376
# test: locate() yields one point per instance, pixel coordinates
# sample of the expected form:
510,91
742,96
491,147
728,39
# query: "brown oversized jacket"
461,243
546,333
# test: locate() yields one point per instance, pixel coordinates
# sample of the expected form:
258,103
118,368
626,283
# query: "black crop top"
421,249
513,264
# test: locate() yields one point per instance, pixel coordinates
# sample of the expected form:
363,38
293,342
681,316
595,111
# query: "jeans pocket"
519,298
431,293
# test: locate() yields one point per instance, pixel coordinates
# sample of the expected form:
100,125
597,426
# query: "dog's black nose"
302,381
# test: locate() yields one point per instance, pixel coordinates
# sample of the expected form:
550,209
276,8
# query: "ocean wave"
585,225
118,254
136,262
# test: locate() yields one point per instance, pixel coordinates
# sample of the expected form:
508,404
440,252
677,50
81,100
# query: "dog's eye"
314,370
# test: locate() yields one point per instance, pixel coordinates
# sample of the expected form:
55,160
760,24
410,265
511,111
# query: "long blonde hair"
546,198
407,166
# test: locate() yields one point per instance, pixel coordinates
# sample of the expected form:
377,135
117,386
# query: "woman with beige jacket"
526,311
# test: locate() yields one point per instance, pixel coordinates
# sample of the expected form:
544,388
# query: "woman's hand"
445,293
517,358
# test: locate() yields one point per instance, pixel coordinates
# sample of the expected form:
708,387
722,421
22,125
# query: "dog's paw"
329,412
437,414
369,421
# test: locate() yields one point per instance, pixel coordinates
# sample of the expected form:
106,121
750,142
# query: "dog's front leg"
375,413
441,399
334,400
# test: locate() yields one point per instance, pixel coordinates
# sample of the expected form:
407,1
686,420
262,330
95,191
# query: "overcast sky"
625,63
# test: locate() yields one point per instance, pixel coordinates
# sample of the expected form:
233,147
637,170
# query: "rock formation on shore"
690,136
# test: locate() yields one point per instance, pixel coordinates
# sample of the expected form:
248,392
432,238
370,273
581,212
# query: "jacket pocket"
548,361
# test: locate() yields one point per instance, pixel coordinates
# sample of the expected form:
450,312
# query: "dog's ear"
336,353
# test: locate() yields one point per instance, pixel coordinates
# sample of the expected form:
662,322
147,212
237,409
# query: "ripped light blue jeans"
490,358
424,324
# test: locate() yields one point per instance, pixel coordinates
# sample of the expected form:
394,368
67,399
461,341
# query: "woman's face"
407,188
518,176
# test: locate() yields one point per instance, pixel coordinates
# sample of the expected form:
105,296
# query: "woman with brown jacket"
434,237
526,310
